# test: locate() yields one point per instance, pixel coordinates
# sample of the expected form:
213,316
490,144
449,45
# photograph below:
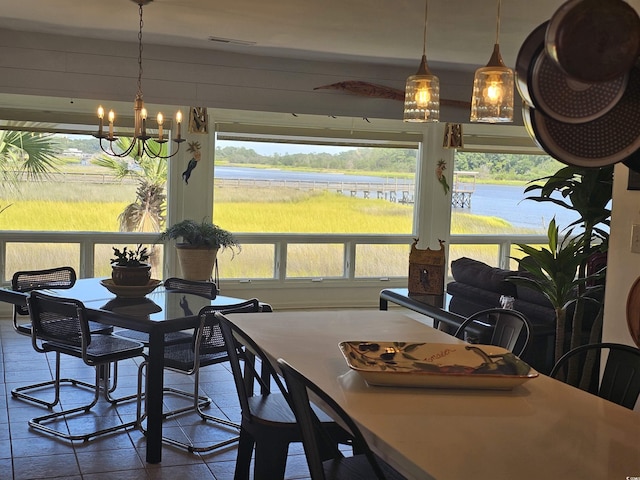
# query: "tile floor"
26,454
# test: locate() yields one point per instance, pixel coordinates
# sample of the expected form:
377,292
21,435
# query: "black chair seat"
181,357
143,337
102,349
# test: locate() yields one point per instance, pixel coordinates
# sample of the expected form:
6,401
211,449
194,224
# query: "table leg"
155,387
384,304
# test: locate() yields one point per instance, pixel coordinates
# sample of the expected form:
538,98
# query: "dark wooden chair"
620,382
26,281
510,329
268,424
60,325
325,460
205,348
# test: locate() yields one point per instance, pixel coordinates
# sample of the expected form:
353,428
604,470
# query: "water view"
503,201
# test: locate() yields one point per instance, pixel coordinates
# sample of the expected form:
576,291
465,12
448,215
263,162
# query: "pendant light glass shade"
422,96
493,87
422,91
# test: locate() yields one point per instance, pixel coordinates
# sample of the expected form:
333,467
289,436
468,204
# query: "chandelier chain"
140,51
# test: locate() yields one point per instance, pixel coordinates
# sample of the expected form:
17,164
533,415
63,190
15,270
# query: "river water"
503,201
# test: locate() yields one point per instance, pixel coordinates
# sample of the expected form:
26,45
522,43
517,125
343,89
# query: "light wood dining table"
542,429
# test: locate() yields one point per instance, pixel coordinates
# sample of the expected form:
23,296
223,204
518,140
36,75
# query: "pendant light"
422,92
492,99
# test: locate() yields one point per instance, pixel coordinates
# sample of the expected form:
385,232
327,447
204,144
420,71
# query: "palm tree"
146,212
27,153
33,154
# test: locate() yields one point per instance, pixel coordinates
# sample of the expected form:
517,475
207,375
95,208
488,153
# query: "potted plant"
197,246
129,267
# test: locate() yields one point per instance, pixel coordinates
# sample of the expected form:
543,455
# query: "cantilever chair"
61,325
510,328
268,423
27,281
325,460
205,348
202,288
620,382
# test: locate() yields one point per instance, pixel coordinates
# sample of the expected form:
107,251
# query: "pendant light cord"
498,24
424,37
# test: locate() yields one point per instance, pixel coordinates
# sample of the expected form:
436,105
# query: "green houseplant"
129,267
197,245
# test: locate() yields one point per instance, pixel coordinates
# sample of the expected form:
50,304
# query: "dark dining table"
157,313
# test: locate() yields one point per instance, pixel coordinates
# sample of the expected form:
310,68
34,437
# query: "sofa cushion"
479,274
527,294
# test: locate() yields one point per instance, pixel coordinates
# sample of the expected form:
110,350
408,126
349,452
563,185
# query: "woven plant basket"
196,263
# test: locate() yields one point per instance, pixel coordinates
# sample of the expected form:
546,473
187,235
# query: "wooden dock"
464,184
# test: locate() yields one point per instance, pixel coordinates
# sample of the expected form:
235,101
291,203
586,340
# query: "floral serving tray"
436,365
126,291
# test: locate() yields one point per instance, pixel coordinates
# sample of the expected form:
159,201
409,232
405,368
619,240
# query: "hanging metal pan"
609,139
594,40
545,86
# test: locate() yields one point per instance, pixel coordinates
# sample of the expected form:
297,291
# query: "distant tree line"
497,166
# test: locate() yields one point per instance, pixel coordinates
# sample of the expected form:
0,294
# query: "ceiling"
460,33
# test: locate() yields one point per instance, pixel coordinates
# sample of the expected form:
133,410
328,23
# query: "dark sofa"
478,286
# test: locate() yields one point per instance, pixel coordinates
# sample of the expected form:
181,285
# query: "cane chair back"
27,281
203,288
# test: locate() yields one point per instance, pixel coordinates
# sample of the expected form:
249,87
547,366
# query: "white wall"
623,266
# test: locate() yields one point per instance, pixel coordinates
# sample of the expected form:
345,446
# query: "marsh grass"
95,207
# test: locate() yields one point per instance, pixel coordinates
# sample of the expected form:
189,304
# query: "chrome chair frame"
61,325
206,348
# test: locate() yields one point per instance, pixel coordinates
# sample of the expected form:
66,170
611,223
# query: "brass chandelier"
141,142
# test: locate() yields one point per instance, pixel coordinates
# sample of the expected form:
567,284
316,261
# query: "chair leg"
196,407
271,460
110,387
38,423
20,392
243,460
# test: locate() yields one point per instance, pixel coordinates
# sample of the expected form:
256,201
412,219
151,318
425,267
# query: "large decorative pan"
609,139
594,40
545,86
